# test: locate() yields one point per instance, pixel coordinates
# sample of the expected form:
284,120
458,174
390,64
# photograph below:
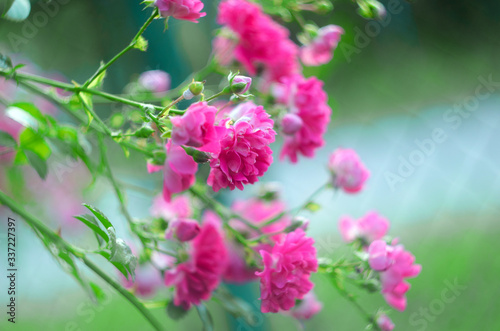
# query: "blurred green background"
395,88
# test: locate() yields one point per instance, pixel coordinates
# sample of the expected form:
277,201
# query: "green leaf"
206,318
100,216
121,253
175,312
18,11
97,82
39,164
27,115
141,44
313,206
118,266
7,140
5,61
34,141
91,222
98,292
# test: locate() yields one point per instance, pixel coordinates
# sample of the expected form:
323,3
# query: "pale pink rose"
245,154
156,81
178,171
223,49
182,229
287,269
349,173
368,228
394,265
178,207
306,99
320,50
307,308
189,10
385,323
261,41
196,128
195,279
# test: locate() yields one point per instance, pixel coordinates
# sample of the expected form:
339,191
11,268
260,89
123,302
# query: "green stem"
311,198
105,66
47,232
223,92
167,108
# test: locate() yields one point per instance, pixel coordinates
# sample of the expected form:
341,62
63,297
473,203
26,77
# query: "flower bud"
372,9
198,156
240,84
144,132
385,323
323,7
196,88
183,229
291,123
298,222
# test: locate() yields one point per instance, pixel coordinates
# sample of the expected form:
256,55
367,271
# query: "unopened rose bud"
291,123
385,323
183,229
298,222
241,84
198,156
144,132
196,88
323,7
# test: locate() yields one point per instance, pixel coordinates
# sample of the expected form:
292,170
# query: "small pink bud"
291,123
385,323
156,81
241,84
183,229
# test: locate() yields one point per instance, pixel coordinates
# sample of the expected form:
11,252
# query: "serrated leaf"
34,141
175,312
313,207
91,222
121,253
118,266
7,140
39,164
100,216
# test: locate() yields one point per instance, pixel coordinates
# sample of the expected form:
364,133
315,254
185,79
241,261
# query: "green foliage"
7,140
206,317
15,10
175,312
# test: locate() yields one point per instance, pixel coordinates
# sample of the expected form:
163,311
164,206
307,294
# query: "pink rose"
368,228
182,229
349,173
320,50
188,10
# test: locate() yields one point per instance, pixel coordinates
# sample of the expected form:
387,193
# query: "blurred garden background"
392,85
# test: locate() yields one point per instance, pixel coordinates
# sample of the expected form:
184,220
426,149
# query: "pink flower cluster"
189,10
195,279
320,50
287,268
306,99
394,265
261,41
368,228
349,173
245,154
196,128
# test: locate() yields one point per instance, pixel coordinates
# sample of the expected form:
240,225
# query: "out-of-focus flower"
178,171
260,39
156,81
385,323
287,268
291,124
196,128
189,10
394,265
349,173
241,80
320,50
368,228
182,229
307,308
306,99
147,280
195,279
245,154
223,49
178,207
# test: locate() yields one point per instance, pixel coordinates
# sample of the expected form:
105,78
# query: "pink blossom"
237,270
196,128
178,171
291,124
308,307
368,228
349,173
320,50
188,10
385,323
178,207
147,280
394,265
182,229
157,81
195,279
223,49
239,79
261,40
287,268
306,99
245,154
